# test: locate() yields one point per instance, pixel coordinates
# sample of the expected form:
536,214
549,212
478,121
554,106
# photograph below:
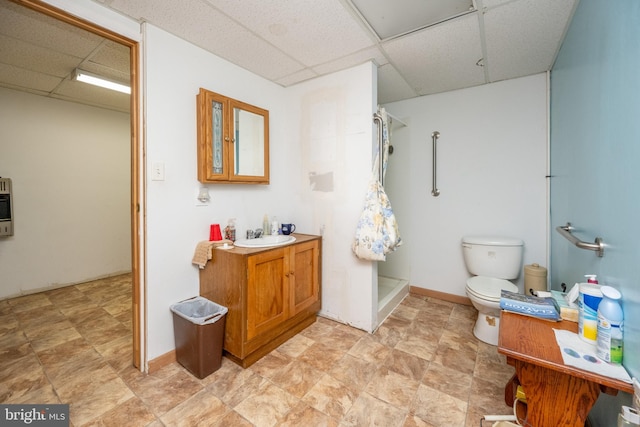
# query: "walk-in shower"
393,274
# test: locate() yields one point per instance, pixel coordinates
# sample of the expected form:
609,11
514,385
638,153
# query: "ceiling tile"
243,48
208,28
357,58
112,60
523,37
21,79
312,31
36,58
389,19
289,41
391,86
300,76
487,4
439,58
32,27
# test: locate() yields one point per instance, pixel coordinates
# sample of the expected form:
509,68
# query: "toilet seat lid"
489,287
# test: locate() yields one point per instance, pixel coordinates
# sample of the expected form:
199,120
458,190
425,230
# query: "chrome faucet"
254,234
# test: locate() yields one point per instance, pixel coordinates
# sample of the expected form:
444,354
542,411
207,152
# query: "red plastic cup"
214,233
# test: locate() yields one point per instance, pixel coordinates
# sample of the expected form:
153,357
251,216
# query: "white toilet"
493,261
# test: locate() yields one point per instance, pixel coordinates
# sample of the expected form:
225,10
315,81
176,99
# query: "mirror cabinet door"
250,150
233,140
213,136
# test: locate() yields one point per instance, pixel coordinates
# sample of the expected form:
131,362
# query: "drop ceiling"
290,41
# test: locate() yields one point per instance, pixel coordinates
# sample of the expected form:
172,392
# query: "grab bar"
434,188
377,118
565,231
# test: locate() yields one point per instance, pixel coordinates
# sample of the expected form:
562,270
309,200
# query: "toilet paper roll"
535,279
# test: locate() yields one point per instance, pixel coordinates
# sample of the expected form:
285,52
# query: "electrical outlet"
157,171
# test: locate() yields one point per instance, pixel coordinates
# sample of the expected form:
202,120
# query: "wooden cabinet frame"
233,140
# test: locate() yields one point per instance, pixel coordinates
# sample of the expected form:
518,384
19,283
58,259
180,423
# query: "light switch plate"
157,171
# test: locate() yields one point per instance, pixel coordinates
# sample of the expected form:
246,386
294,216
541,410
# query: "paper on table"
582,355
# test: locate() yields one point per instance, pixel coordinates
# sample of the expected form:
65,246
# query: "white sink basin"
265,242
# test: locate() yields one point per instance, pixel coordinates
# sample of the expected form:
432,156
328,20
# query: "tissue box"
567,311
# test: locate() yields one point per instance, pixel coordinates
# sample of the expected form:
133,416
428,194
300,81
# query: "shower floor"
391,292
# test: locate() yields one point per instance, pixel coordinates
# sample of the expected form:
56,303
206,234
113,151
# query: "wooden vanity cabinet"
271,294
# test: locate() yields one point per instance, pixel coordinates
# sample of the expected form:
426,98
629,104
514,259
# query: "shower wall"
396,183
492,167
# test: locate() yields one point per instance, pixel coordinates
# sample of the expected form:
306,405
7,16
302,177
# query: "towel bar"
565,231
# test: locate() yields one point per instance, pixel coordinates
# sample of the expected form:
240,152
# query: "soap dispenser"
592,278
230,230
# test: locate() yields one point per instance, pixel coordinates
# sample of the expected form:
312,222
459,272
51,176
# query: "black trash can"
198,329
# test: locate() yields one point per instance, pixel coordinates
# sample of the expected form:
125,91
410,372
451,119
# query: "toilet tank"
499,257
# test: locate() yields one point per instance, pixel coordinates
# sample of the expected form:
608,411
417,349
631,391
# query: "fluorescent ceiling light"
93,79
393,19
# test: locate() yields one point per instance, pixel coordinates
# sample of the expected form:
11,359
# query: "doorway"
135,207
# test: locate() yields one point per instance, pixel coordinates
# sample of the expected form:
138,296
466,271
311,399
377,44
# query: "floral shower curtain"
377,230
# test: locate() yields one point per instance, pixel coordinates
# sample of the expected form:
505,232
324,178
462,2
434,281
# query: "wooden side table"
557,394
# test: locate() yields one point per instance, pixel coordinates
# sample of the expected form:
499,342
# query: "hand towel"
202,253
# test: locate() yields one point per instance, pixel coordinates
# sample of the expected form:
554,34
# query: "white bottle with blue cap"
610,318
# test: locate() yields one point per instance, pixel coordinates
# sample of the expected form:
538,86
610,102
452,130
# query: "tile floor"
423,367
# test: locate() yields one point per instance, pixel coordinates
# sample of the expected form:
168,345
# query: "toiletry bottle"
591,278
274,226
589,299
610,318
230,230
266,226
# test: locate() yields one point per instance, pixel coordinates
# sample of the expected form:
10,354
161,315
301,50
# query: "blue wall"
595,154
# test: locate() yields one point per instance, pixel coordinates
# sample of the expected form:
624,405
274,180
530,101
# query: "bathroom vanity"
271,293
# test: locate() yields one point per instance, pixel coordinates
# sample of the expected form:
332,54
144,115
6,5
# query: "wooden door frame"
136,207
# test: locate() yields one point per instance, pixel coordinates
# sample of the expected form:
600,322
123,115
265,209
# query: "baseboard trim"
161,361
439,295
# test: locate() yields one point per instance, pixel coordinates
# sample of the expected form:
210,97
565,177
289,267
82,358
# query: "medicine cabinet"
233,140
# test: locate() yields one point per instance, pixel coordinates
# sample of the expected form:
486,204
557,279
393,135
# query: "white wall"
330,125
70,170
175,224
396,184
492,163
